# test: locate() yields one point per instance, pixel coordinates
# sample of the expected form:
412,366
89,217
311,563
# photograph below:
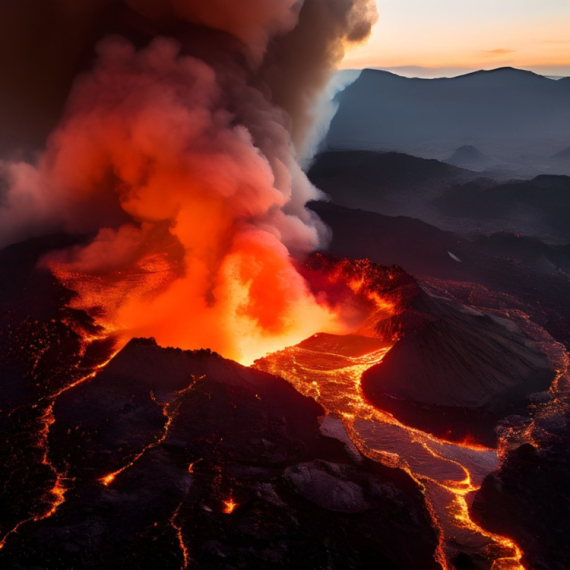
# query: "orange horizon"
486,35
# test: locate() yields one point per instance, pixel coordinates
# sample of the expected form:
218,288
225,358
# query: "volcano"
167,456
206,365
471,158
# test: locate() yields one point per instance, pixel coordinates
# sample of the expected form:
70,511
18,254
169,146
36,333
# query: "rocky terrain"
174,459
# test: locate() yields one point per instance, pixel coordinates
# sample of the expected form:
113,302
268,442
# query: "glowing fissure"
169,411
180,537
61,485
447,473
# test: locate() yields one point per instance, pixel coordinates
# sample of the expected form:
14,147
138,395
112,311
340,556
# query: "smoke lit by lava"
181,160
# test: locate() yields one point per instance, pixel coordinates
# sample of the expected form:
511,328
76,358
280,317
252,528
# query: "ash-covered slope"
455,370
178,458
420,248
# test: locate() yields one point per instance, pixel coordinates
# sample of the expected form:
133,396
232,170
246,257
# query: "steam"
181,158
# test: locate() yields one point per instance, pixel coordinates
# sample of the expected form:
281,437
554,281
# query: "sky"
458,35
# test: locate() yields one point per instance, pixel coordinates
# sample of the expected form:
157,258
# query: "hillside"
384,182
506,113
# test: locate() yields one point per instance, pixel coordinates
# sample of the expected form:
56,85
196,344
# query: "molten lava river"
328,368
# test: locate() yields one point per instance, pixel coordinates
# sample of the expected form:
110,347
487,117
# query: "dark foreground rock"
215,466
528,498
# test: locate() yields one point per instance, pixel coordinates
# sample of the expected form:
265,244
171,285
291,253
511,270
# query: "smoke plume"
177,149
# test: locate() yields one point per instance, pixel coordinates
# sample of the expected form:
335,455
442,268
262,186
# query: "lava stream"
329,369
170,411
60,486
180,537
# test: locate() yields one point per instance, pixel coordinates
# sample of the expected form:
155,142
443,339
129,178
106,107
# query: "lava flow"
60,487
328,368
230,506
169,411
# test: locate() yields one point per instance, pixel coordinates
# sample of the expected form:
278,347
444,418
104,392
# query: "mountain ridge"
509,114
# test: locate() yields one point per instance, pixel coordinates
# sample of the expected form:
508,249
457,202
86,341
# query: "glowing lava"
169,411
60,487
180,537
329,369
230,506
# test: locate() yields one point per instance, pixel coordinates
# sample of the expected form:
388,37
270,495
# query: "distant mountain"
506,113
470,158
536,206
382,182
563,154
451,198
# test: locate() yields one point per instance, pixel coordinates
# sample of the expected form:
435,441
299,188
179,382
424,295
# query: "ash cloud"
175,130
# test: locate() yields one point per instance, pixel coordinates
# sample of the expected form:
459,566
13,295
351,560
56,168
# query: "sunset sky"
469,34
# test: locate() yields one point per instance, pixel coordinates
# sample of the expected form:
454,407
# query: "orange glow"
470,442
333,379
193,244
230,506
180,537
262,303
59,490
107,480
169,411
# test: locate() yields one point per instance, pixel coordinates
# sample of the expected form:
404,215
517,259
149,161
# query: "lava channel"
329,368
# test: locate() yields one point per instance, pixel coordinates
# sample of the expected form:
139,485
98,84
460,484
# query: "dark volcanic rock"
382,181
455,371
420,248
40,353
528,251
224,465
528,499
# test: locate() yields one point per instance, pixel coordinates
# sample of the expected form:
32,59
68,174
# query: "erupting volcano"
190,379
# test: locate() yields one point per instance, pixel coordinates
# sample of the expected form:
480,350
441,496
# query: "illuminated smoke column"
183,166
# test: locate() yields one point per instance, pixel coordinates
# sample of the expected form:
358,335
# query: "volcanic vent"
214,461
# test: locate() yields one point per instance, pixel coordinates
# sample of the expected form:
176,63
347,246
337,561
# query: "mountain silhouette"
506,113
